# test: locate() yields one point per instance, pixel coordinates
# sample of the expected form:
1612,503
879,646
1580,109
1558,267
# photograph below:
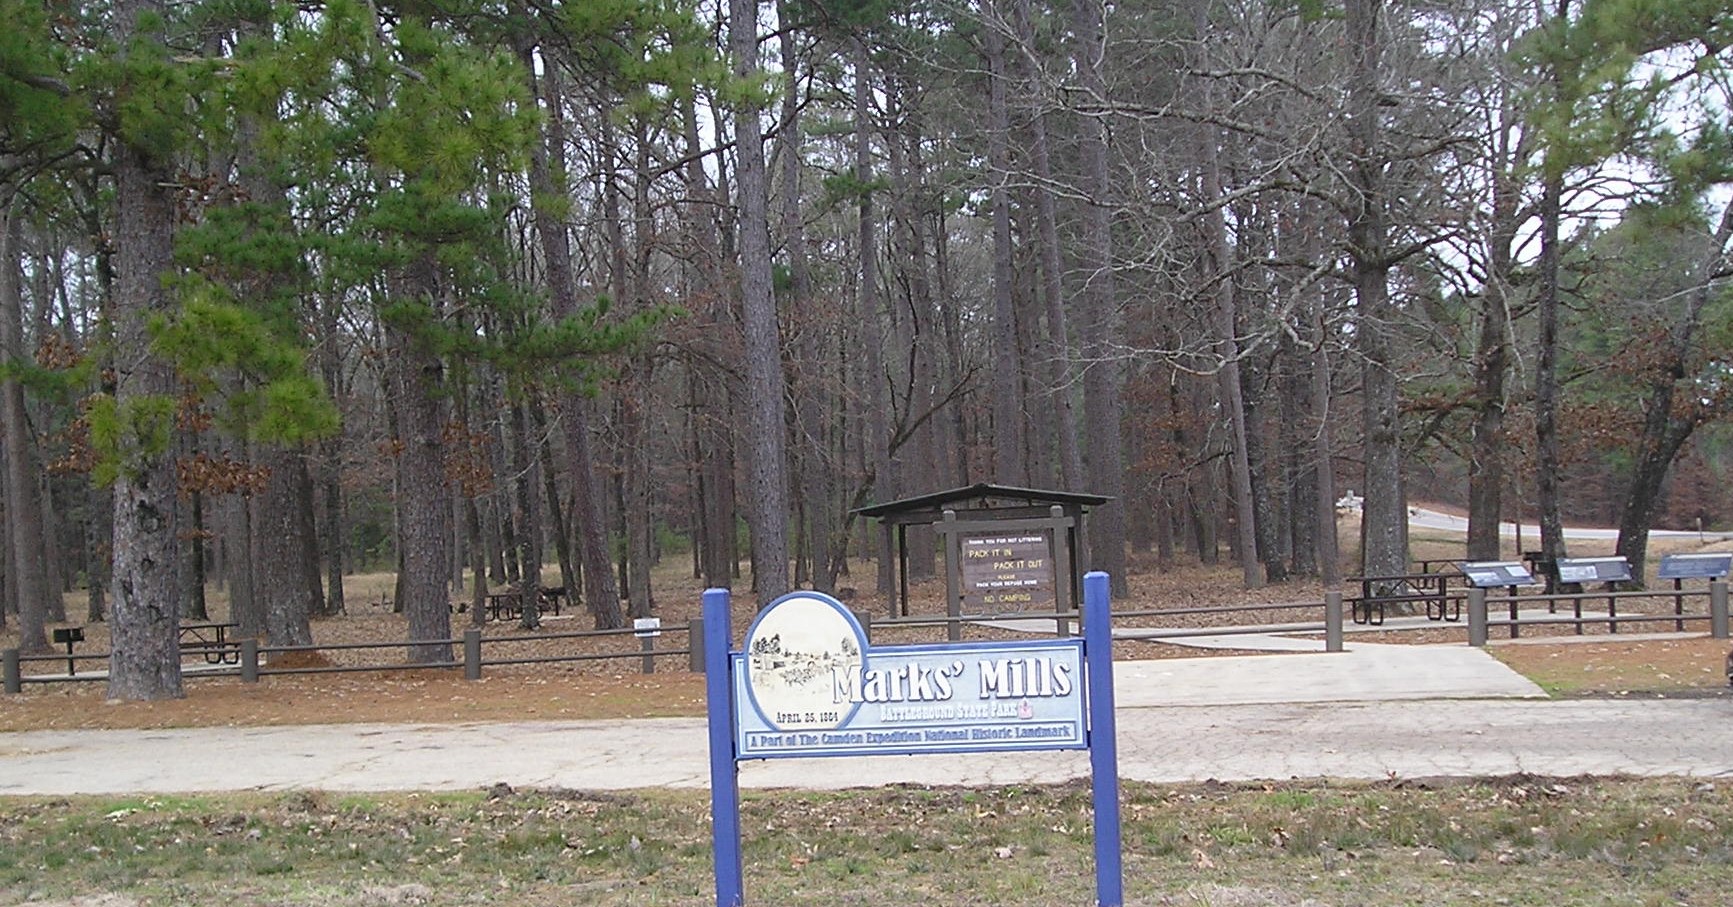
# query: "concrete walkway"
1373,712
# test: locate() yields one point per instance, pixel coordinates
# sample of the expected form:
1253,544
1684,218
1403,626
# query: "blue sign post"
807,683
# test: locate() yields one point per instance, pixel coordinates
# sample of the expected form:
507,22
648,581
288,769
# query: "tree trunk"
768,492
246,597
331,529
1299,468
869,317
547,177
1225,321
23,512
424,494
812,381
98,523
1384,520
1548,460
915,459
1667,424
1008,410
284,554
550,487
1488,441
1060,373
145,627
1100,327
527,493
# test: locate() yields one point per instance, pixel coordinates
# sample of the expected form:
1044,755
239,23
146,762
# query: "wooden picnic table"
211,639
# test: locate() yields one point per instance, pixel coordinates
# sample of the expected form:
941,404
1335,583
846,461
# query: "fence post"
647,644
695,645
1333,621
1718,609
866,624
13,670
472,654
250,660
1477,616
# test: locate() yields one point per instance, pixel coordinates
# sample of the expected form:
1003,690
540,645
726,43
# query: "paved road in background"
1373,712
1421,518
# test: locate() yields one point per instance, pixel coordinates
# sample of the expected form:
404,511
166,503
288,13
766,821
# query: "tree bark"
1323,450
284,554
1099,330
1225,320
811,385
877,443
1008,409
424,493
1486,473
1548,459
768,493
145,627
550,487
1060,372
27,579
1384,520
525,481
547,179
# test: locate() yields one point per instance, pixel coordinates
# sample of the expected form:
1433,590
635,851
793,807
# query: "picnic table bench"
508,605
211,639
1377,592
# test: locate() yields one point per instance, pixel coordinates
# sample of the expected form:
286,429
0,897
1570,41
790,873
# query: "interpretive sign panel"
1494,574
1593,570
807,684
1709,565
1006,572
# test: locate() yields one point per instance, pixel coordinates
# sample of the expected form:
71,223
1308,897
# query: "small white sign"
647,626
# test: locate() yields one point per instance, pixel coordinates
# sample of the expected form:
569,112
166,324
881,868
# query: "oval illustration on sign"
795,651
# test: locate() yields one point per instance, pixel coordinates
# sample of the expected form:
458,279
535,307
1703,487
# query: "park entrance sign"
807,683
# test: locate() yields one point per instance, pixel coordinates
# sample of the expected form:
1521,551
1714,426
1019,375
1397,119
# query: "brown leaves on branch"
204,474
467,463
57,353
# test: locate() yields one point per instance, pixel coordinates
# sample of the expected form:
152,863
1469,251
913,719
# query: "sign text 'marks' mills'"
1006,572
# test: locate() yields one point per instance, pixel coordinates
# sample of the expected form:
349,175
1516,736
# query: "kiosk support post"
1333,621
1477,616
1103,748
724,771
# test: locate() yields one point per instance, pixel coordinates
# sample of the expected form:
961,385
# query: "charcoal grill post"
69,635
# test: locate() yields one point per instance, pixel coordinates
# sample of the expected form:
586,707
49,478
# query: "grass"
1514,841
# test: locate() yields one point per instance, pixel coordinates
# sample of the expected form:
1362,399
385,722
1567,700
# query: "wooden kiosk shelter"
1001,529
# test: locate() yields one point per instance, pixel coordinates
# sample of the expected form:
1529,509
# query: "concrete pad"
1362,673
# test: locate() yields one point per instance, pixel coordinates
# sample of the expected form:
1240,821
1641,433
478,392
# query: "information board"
1710,565
1593,570
1006,572
1496,574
